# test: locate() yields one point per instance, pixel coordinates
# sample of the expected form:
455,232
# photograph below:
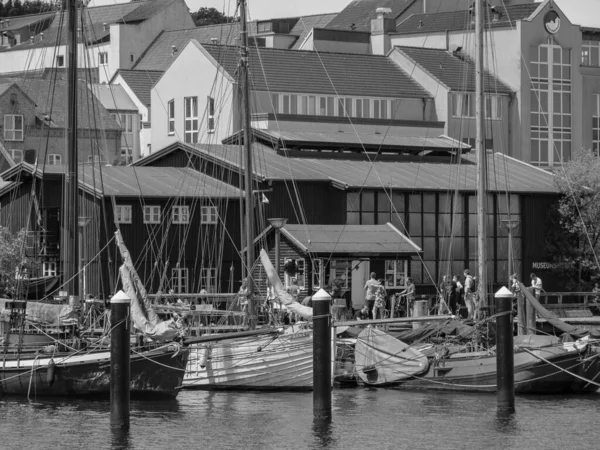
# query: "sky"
581,12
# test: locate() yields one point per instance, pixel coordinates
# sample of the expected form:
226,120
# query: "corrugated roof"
299,71
370,142
458,74
358,14
50,98
141,82
356,171
128,181
17,22
93,20
352,239
113,97
463,20
305,24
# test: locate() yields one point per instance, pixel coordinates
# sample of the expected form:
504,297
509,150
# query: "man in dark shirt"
362,314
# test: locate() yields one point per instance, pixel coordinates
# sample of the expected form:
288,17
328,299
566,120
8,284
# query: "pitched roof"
50,98
93,20
141,82
353,239
462,20
129,181
17,22
113,97
159,55
358,14
457,74
147,10
4,87
300,71
305,24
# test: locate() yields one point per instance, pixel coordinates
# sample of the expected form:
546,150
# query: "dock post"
322,355
505,366
119,360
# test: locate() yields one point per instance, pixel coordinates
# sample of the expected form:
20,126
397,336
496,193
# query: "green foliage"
579,216
19,8
210,16
11,258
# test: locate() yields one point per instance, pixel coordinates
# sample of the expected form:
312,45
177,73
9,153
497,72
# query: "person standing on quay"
470,294
370,289
536,285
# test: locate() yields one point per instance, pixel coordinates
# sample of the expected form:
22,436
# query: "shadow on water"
506,420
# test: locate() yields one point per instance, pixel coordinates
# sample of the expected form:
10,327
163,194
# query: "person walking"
409,293
370,289
380,298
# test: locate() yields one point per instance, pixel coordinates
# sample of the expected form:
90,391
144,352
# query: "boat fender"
51,373
258,349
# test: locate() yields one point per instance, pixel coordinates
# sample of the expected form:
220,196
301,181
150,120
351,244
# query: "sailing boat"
542,364
81,367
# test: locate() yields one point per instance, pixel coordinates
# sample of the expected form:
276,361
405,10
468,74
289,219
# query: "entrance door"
360,274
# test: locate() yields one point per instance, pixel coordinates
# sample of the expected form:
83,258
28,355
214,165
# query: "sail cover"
149,324
305,312
382,359
43,314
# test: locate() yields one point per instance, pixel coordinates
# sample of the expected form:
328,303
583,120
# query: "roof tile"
358,14
141,82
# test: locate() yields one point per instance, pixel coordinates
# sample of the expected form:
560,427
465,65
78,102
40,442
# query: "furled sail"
43,314
305,312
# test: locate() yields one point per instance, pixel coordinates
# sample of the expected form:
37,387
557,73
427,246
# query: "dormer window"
265,27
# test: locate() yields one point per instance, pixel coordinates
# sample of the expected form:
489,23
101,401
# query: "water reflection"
119,438
506,420
323,432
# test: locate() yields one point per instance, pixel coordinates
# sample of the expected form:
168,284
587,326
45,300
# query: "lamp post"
278,224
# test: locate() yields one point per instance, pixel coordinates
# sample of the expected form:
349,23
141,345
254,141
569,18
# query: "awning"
351,240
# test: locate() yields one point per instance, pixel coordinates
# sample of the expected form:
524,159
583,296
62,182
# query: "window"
123,213
13,127
209,215
60,61
131,57
596,125
54,159
590,53
299,275
151,214
103,58
181,214
463,105
550,105
210,106
49,269
264,27
179,280
340,270
317,273
171,117
95,159
126,155
395,274
17,155
208,279
191,119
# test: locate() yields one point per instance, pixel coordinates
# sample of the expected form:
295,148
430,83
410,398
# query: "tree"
579,215
11,259
210,16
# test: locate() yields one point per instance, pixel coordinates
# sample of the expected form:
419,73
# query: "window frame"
180,214
103,58
180,277
123,214
209,215
54,159
152,214
171,117
208,279
190,120
300,274
210,114
11,130
49,269
396,274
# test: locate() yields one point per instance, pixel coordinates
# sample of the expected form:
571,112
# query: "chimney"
214,40
381,26
105,26
41,36
173,50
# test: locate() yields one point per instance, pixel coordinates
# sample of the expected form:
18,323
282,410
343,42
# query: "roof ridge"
304,52
52,11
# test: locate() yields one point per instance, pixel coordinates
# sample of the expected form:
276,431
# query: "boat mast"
71,195
245,109
481,157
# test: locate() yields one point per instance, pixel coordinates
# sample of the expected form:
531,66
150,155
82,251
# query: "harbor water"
362,418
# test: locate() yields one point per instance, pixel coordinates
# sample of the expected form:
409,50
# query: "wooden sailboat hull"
155,373
283,362
478,373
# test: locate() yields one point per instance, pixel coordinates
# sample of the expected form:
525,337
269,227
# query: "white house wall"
191,74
